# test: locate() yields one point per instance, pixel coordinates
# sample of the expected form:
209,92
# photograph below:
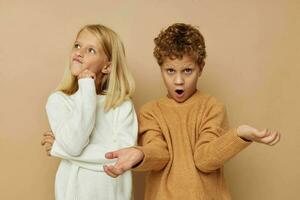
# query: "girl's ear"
106,69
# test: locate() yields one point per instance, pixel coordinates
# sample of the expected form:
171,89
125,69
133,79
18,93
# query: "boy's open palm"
265,136
127,158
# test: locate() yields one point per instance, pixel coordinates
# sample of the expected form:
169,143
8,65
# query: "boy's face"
180,77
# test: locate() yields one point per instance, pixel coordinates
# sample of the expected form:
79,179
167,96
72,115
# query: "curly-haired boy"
184,137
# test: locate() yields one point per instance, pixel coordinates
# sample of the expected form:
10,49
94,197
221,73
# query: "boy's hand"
266,137
127,158
87,73
47,141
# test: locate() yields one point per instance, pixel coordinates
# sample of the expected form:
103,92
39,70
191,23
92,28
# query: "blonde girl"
91,113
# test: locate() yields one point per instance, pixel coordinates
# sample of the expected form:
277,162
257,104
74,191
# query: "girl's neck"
98,85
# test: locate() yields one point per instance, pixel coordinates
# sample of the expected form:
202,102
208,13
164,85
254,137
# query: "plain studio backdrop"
252,66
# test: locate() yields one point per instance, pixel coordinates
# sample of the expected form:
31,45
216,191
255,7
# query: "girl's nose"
79,53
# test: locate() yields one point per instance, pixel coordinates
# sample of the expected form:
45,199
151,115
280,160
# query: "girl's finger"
47,140
48,148
50,138
49,133
44,141
93,76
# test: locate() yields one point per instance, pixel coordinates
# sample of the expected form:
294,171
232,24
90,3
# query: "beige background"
252,66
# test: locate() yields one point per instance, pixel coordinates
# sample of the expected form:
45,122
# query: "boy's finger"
108,172
276,140
262,133
111,155
269,139
114,170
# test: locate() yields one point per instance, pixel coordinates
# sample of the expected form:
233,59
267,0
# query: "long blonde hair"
118,85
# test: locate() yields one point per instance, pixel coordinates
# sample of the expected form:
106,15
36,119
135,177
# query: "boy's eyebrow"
183,66
189,66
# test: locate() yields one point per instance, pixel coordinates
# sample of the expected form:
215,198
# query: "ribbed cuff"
87,84
232,144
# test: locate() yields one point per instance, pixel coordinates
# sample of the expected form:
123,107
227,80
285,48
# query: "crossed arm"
91,156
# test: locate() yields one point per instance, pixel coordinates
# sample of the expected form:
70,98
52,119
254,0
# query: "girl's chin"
75,70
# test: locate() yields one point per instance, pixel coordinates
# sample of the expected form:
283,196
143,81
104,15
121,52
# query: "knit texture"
185,146
84,132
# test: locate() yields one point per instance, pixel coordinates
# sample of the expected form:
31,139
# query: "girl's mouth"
77,60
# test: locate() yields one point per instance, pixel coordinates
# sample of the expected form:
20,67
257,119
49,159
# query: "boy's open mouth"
179,91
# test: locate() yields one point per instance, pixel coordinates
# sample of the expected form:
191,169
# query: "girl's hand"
265,136
47,141
87,73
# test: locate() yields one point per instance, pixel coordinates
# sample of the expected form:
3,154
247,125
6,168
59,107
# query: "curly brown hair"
178,40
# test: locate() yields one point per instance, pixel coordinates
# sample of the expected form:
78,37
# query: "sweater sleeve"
126,127
152,143
93,155
216,143
73,121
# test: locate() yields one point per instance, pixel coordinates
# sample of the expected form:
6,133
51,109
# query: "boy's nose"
179,80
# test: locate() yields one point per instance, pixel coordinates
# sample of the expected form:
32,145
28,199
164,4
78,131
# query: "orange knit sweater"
185,146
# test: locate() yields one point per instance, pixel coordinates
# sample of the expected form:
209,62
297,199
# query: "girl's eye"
188,71
91,50
76,46
170,71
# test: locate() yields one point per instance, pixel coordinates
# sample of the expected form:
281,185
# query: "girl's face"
87,53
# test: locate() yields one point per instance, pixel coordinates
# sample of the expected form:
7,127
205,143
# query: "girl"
90,114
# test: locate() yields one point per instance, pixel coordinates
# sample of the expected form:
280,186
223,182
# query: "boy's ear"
201,67
106,69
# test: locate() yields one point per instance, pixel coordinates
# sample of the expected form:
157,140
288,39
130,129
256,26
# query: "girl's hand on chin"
87,73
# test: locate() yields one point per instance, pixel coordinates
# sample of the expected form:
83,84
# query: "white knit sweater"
83,134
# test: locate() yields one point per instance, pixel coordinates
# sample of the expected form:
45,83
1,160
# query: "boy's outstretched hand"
127,158
265,136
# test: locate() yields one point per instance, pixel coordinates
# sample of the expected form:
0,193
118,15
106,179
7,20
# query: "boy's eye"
188,71
91,50
170,71
76,46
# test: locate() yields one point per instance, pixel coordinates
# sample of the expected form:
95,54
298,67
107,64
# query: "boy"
184,137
